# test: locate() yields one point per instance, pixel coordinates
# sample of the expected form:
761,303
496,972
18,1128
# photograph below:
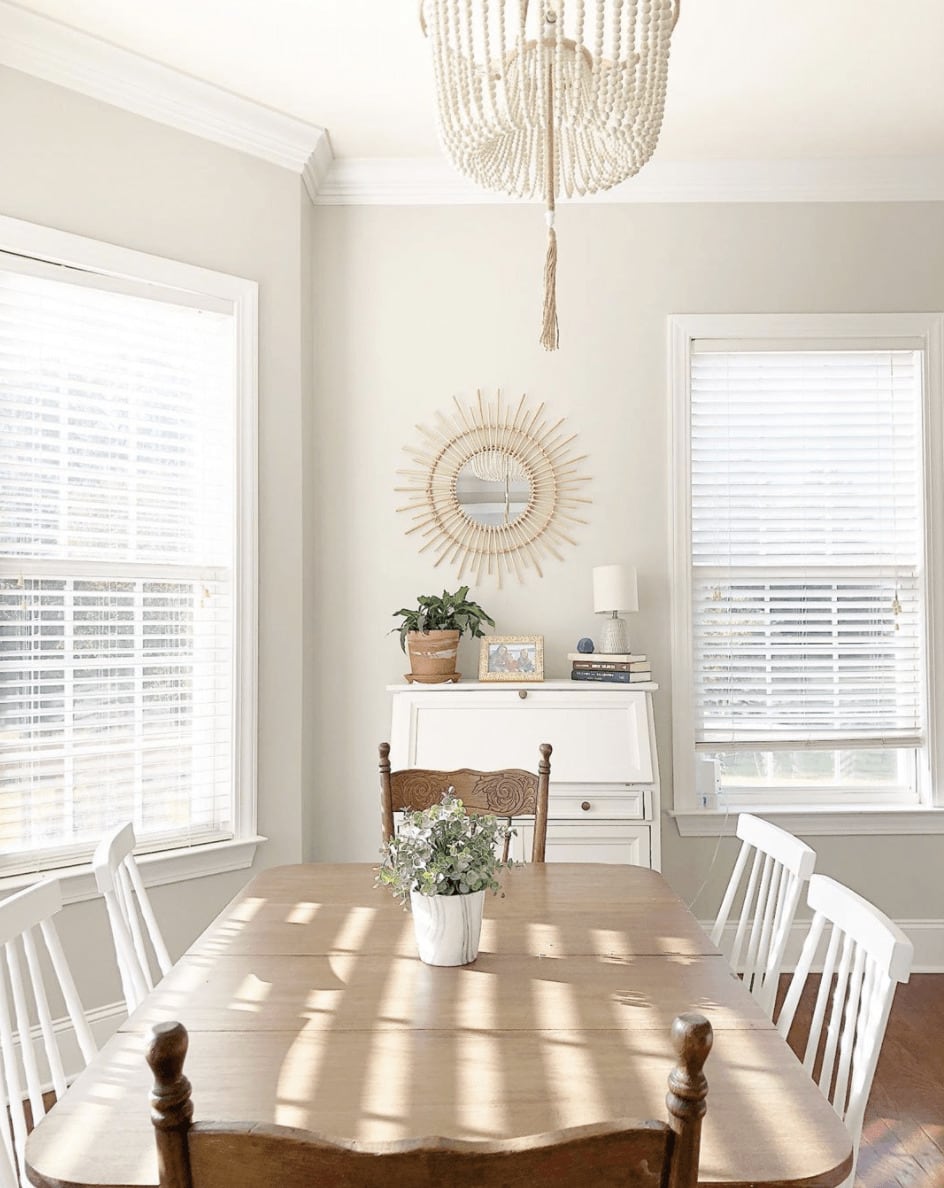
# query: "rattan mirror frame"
544,452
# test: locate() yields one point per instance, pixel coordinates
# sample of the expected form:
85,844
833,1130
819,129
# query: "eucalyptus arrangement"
443,850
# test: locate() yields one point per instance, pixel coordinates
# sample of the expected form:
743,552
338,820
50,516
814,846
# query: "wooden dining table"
307,1006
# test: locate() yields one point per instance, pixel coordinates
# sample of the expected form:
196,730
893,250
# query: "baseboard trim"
927,936
104,1021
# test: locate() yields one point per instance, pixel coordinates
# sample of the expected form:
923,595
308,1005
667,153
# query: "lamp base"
615,637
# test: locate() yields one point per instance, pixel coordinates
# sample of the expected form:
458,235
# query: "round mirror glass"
493,489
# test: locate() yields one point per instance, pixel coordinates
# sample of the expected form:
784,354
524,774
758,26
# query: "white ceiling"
748,79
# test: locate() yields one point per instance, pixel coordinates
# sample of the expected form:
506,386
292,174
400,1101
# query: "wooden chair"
32,1058
134,929
254,1155
509,794
781,865
867,955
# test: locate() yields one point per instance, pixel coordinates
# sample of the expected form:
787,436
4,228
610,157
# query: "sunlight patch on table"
543,938
401,1000
387,1084
477,1005
302,913
480,1089
605,942
250,994
568,1063
343,965
352,931
297,1084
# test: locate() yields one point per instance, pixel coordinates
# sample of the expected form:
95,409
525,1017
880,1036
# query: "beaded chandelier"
550,97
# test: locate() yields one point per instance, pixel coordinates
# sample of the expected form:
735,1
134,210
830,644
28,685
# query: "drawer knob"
585,805
522,693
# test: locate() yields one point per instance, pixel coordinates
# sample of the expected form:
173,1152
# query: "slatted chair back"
509,794
866,956
33,1047
606,1155
763,893
139,945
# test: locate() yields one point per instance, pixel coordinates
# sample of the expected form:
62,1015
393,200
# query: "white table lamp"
614,590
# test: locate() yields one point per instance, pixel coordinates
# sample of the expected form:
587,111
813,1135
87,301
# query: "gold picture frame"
511,658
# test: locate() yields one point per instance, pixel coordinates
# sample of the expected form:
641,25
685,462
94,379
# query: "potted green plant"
431,632
441,862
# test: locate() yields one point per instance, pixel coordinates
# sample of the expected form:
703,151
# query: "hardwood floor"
903,1137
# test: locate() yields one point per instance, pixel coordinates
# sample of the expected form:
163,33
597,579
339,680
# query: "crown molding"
433,181
69,58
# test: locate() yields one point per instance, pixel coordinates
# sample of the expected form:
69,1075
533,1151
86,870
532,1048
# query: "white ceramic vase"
447,927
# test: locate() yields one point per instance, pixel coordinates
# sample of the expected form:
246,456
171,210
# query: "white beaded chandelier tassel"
549,97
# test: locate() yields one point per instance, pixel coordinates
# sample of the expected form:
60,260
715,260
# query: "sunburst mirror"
496,488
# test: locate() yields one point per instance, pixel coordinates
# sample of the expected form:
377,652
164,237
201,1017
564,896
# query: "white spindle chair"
32,1059
134,927
867,955
781,865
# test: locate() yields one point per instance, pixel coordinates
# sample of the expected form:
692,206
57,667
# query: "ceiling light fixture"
551,97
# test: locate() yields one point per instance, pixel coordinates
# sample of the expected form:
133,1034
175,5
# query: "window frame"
698,815
240,296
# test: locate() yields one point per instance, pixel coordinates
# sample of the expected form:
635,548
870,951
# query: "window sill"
168,866
834,821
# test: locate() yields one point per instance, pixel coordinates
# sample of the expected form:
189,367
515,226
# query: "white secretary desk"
604,794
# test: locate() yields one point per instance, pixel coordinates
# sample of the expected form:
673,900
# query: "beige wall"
416,304
81,166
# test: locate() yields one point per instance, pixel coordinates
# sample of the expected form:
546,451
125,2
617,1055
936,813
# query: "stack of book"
609,666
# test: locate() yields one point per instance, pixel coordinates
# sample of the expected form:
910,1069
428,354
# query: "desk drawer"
573,841
600,802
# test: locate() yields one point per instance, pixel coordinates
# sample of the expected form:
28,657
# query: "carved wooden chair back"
139,945
763,893
33,1050
252,1155
509,794
866,956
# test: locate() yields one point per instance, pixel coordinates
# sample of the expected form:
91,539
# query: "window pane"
807,555
814,771
117,646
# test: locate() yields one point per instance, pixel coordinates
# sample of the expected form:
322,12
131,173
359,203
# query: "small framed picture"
511,658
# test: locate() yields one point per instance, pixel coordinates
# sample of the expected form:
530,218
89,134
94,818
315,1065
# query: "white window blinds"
807,587
116,566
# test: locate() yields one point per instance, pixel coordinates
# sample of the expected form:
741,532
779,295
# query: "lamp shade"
614,589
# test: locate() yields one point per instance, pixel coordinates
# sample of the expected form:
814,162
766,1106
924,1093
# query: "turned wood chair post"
688,1088
171,1105
540,819
386,803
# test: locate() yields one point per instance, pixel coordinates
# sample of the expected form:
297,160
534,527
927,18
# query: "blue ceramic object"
585,645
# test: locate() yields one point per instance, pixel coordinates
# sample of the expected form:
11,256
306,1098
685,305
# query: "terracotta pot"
433,655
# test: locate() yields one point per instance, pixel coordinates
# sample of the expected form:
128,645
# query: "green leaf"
444,851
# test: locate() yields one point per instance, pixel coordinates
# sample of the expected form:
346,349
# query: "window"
126,552
803,529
